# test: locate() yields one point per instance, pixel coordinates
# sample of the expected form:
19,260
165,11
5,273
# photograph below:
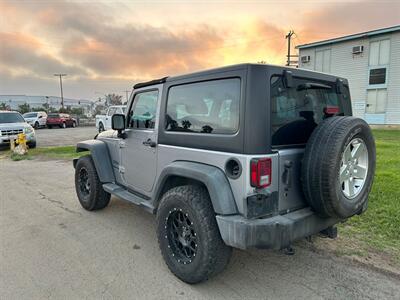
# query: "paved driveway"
52,248
63,137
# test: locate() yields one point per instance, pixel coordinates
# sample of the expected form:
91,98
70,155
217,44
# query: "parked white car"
36,119
12,124
103,122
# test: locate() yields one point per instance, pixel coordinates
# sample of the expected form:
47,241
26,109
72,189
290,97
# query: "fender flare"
101,158
213,178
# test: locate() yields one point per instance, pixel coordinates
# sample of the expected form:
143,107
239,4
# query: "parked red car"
61,120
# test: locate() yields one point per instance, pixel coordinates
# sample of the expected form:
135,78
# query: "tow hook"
289,250
330,232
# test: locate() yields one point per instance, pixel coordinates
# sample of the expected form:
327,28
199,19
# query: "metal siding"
393,85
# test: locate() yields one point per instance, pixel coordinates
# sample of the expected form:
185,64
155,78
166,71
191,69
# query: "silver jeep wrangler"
241,156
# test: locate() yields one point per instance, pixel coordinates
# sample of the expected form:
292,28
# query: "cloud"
340,19
23,53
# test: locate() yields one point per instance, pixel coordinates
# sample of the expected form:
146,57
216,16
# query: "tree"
99,109
4,106
113,99
24,108
77,111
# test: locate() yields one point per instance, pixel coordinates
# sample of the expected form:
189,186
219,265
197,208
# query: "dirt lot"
52,248
63,137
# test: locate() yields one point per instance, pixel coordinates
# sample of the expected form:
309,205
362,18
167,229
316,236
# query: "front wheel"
188,234
88,187
36,126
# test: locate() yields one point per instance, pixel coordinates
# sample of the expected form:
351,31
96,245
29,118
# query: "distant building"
36,102
371,62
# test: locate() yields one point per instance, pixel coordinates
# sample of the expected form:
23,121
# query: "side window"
111,111
143,111
204,107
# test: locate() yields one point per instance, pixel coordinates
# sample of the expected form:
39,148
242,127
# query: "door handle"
150,143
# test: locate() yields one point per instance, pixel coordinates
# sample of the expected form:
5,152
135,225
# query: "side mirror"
118,123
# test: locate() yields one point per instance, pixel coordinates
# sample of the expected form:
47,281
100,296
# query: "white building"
36,102
371,62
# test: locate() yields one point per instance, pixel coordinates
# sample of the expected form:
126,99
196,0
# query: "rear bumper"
275,232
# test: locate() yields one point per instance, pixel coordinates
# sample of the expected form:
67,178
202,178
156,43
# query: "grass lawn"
64,152
379,227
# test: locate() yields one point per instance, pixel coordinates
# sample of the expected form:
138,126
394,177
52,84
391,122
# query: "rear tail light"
260,172
331,110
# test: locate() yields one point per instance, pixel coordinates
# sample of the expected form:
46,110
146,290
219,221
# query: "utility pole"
127,95
62,96
289,37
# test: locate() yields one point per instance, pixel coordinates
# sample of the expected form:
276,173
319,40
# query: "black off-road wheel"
338,167
188,234
101,127
36,125
88,186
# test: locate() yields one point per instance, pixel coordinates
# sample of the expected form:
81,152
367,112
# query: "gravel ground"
64,137
52,248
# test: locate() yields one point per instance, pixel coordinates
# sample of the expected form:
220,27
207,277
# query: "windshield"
30,115
11,118
53,116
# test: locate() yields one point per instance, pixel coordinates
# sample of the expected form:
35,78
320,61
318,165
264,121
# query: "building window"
376,101
323,60
379,54
377,76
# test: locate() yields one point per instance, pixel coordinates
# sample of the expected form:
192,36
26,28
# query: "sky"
107,46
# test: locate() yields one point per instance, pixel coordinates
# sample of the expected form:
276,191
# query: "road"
62,137
52,248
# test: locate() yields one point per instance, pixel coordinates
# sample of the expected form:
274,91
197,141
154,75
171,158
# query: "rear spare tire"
338,167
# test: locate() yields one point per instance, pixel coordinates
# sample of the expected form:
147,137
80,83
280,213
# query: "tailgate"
290,191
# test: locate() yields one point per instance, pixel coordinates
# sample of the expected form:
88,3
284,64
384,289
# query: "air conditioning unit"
358,49
305,59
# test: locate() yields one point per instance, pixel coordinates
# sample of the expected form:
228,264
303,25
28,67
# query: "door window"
111,111
143,112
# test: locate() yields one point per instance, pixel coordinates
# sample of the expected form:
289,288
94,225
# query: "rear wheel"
188,234
101,127
88,187
338,167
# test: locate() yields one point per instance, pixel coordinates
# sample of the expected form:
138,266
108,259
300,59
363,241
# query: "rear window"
53,115
296,111
204,107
